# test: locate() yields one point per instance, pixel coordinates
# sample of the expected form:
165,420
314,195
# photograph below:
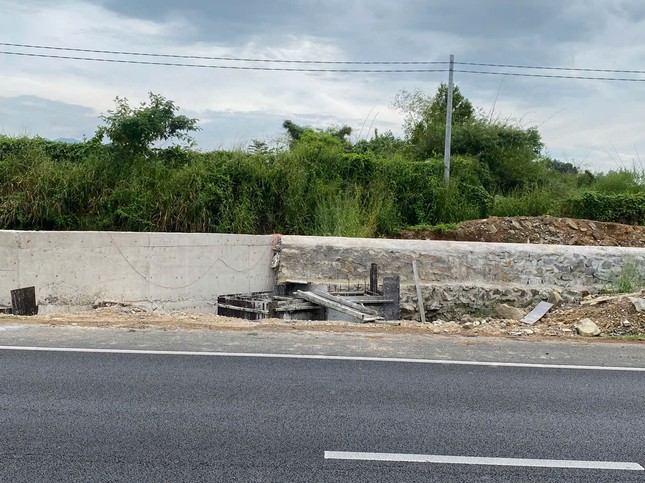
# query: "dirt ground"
616,316
542,229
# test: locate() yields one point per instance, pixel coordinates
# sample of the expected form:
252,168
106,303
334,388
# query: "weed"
439,228
629,279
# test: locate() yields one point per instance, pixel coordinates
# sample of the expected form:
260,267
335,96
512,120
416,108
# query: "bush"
618,208
530,202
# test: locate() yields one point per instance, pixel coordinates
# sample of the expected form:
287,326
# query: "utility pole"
446,154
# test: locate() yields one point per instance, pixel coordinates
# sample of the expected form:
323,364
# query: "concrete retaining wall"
459,276
72,270
171,271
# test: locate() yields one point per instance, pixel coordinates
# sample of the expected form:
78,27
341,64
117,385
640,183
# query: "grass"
636,337
439,228
629,280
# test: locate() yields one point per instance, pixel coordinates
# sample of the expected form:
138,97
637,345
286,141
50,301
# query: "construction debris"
23,301
537,313
587,328
301,300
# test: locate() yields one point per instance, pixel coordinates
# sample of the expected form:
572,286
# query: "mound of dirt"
541,230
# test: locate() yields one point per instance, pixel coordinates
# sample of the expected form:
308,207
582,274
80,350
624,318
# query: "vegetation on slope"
321,184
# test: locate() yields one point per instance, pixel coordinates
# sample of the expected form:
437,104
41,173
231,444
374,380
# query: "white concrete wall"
170,271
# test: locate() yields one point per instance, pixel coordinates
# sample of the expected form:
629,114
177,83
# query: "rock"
504,311
467,325
554,298
626,323
639,304
528,331
587,328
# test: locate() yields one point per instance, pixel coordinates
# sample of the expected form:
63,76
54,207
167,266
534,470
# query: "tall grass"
315,188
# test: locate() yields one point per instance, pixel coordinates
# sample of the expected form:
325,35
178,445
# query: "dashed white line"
474,460
320,357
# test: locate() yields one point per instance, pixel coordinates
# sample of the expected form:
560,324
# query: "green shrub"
618,208
530,202
619,182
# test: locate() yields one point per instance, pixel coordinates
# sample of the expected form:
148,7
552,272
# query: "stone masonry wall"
459,276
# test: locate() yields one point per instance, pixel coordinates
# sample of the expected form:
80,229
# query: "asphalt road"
70,416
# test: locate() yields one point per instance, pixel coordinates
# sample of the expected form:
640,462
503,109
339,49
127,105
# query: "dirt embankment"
541,230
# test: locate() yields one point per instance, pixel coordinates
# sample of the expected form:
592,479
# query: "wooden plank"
295,307
330,304
344,301
609,298
243,309
369,299
374,278
420,302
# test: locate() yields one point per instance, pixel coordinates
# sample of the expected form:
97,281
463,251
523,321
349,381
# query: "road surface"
158,416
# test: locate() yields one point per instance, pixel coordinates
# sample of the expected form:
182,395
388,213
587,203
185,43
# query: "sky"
594,124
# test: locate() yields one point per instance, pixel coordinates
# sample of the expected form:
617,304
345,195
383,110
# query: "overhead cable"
234,59
308,69
212,66
540,67
551,76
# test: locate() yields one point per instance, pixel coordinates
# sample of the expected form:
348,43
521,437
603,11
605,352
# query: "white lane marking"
472,460
319,357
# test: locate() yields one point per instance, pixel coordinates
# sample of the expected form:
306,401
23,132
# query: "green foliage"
322,185
509,151
561,167
534,201
422,111
621,181
381,145
626,208
56,150
440,228
629,280
298,133
134,130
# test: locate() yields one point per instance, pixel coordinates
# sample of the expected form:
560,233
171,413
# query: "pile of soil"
541,230
615,317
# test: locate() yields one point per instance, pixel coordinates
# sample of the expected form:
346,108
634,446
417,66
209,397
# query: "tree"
421,111
297,132
133,131
258,147
505,149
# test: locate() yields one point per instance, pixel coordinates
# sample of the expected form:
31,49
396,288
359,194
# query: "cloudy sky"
596,124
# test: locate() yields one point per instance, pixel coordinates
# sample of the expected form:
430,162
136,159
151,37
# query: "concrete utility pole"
446,154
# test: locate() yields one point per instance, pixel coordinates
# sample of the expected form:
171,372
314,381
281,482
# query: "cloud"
36,116
577,117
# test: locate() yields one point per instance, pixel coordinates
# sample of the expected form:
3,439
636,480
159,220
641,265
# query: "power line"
211,66
234,59
338,62
302,69
538,67
551,76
